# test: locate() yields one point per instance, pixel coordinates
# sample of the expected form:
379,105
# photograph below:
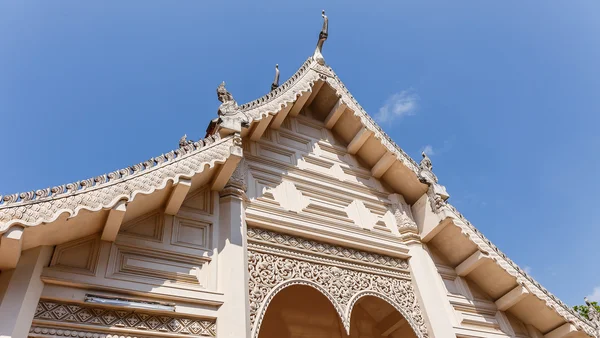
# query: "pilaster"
23,292
428,282
234,314
431,293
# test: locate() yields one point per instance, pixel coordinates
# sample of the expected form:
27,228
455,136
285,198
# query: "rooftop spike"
275,83
318,56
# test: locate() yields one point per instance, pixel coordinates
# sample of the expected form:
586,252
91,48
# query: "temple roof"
312,79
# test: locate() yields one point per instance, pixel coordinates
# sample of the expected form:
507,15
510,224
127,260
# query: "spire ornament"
275,83
230,115
183,141
437,192
318,56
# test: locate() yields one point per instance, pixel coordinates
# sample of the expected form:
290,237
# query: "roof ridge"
59,191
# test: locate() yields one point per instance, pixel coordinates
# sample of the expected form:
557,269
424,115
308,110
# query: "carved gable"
306,172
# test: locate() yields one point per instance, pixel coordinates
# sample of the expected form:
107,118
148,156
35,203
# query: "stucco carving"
33,208
402,214
230,115
486,246
53,332
270,271
48,312
331,250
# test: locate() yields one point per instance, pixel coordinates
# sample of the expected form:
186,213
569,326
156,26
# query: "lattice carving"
48,312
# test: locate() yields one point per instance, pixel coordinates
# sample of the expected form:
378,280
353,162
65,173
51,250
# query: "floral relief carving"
273,269
103,318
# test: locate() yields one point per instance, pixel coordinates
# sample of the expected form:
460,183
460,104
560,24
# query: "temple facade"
296,216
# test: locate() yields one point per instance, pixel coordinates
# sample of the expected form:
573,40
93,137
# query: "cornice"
104,191
523,278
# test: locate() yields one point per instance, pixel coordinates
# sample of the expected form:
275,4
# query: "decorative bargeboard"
343,275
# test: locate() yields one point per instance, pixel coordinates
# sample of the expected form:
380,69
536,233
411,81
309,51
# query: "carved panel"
160,268
79,256
287,262
193,234
148,226
125,320
199,200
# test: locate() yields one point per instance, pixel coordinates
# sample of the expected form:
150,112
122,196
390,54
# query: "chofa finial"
183,141
318,56
275,83
425,162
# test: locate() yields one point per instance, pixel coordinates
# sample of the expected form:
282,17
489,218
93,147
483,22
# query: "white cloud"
595,295
397,106
428,149
527,269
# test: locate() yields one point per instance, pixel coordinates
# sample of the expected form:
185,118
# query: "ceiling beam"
359,140
384,163
471,263
180,190
335,113
113,221
224,172
391,323
303,99
511,298
283,113
561,331
11,244
315,90
260,127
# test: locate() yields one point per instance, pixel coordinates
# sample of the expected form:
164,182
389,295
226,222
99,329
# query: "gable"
302,173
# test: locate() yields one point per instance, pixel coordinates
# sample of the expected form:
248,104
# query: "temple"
296,216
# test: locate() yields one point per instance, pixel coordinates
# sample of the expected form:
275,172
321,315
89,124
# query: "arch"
402,311
260,314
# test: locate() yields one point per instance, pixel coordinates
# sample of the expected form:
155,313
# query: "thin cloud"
428,149
527,269
397,106
595,295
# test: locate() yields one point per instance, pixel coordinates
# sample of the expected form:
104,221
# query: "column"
234,315
23,292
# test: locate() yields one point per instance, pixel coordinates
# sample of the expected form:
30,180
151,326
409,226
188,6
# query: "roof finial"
275,83
425,162
322,37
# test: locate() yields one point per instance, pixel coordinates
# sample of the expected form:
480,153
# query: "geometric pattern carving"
49,311
273,269
361,215
289,197
36,331
308,245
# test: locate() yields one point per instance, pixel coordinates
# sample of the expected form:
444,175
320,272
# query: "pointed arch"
262,310
404,312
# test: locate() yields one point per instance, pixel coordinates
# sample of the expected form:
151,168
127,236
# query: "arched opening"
374,317
301,311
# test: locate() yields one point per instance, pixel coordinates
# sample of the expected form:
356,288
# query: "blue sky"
504,96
